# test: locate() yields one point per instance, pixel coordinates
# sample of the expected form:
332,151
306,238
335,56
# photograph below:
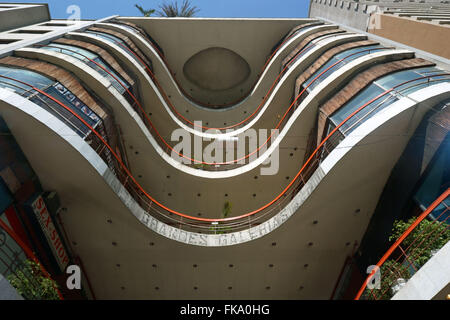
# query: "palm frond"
144,12
172,10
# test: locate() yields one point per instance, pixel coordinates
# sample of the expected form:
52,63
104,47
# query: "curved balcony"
104,212
235,166
184,114
169,78
375,102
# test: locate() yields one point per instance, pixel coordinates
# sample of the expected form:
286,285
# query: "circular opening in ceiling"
216,69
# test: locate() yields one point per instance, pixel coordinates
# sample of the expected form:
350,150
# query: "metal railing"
192,123
19,270
186,94
219,225
409,253
199,164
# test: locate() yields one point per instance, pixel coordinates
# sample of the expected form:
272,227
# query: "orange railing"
186,94
235,223
221,165
10,260
409,252
204,127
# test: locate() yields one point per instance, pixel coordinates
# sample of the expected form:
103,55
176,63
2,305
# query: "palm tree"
145,13
172,10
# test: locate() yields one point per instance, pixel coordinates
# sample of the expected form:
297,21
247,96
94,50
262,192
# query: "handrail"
141,192
397,243
28,252
165,144
193,124
162,56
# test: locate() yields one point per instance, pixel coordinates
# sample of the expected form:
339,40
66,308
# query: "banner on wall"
46,223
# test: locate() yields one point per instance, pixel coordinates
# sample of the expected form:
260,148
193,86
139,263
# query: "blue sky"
94,9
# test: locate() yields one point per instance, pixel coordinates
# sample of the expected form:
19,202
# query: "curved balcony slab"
279,98
255,59
95,81
92,195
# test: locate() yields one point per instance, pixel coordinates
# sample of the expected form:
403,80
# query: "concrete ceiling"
252,39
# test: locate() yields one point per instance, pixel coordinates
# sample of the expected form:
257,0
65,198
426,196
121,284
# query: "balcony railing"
156,47
204,165
237,125
229,224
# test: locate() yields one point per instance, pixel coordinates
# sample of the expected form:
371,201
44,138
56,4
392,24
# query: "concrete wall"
423,35
22,15
418,34
352,14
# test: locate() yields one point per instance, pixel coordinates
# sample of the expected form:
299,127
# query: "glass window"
349,55
72,50
357,101
431,70
93,61
117,41
129,28
106,36
55,90
32,78
396,78
437,179
302,52
414,79
379,86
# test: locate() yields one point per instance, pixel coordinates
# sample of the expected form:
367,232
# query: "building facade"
207,158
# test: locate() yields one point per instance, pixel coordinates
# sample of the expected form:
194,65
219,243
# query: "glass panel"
117,41
84,54
354,52
55,90
92,60
441,212
411,87
387,82
414,79
302,52
129,28
66,97
437,179
396,78
33,78
367,112
106,36
18,88
431,70
359,100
